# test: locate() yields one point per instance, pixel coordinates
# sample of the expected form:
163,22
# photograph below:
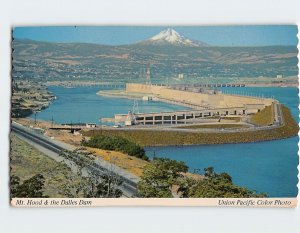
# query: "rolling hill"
168,54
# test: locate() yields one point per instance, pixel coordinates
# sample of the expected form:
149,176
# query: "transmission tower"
135,108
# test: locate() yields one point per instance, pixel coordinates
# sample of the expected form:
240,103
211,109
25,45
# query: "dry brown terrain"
60,135
132,164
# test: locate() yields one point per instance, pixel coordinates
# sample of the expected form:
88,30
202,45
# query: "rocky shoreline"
28,98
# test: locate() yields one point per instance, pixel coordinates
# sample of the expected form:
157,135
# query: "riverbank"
177,138
28,98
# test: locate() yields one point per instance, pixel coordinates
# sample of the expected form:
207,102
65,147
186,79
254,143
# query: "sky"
119,35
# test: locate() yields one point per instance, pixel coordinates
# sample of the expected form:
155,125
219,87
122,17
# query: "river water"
269,167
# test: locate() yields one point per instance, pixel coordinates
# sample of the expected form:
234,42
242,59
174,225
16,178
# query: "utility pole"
100,126
35,113
52,122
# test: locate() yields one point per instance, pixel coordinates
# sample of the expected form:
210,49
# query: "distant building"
279,76
90,125
180,76
147,98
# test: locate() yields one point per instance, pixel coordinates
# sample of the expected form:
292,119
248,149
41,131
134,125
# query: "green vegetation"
159,176
164,178
92,185
162,138
116,143
216,185
214,126
27,162
264,117
106,185
33,187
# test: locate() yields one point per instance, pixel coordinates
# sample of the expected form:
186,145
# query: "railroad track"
129,187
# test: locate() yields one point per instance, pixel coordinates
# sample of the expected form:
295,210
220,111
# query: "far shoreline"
67,84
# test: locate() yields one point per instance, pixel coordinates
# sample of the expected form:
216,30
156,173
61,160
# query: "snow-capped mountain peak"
170,36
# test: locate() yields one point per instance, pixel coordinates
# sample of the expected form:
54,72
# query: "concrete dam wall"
218,100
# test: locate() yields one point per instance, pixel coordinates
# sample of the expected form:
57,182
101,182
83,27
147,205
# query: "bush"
159,176
216,185
116,143
164,178
30,188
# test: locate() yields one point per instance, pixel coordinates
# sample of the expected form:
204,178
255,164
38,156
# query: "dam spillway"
181,117
202,105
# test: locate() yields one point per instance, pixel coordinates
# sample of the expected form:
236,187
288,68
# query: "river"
269,167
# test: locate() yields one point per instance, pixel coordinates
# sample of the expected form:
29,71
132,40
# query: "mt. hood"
170,36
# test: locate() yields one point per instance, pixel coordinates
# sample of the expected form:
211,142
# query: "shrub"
116,143
163,177
159,176
30,188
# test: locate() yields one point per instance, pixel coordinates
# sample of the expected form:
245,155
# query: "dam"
181,117
202,104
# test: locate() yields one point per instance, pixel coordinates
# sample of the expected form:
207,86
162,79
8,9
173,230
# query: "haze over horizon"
122,35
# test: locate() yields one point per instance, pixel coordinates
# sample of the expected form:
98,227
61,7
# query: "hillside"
79,61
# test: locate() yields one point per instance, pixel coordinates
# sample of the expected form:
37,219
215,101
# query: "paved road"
54,150
278,114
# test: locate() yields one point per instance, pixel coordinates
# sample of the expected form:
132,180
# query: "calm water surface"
269,167
82,104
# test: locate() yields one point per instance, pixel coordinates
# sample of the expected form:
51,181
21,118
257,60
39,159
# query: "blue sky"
117,35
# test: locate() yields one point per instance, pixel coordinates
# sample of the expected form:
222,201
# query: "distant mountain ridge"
176,55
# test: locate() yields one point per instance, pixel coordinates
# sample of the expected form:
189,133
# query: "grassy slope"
264,117
26,162
154,138
129,163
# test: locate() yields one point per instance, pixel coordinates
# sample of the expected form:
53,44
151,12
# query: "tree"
209,172
14,184
88,182
215,185
116,143
106,185
33,187
165,178
159,176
